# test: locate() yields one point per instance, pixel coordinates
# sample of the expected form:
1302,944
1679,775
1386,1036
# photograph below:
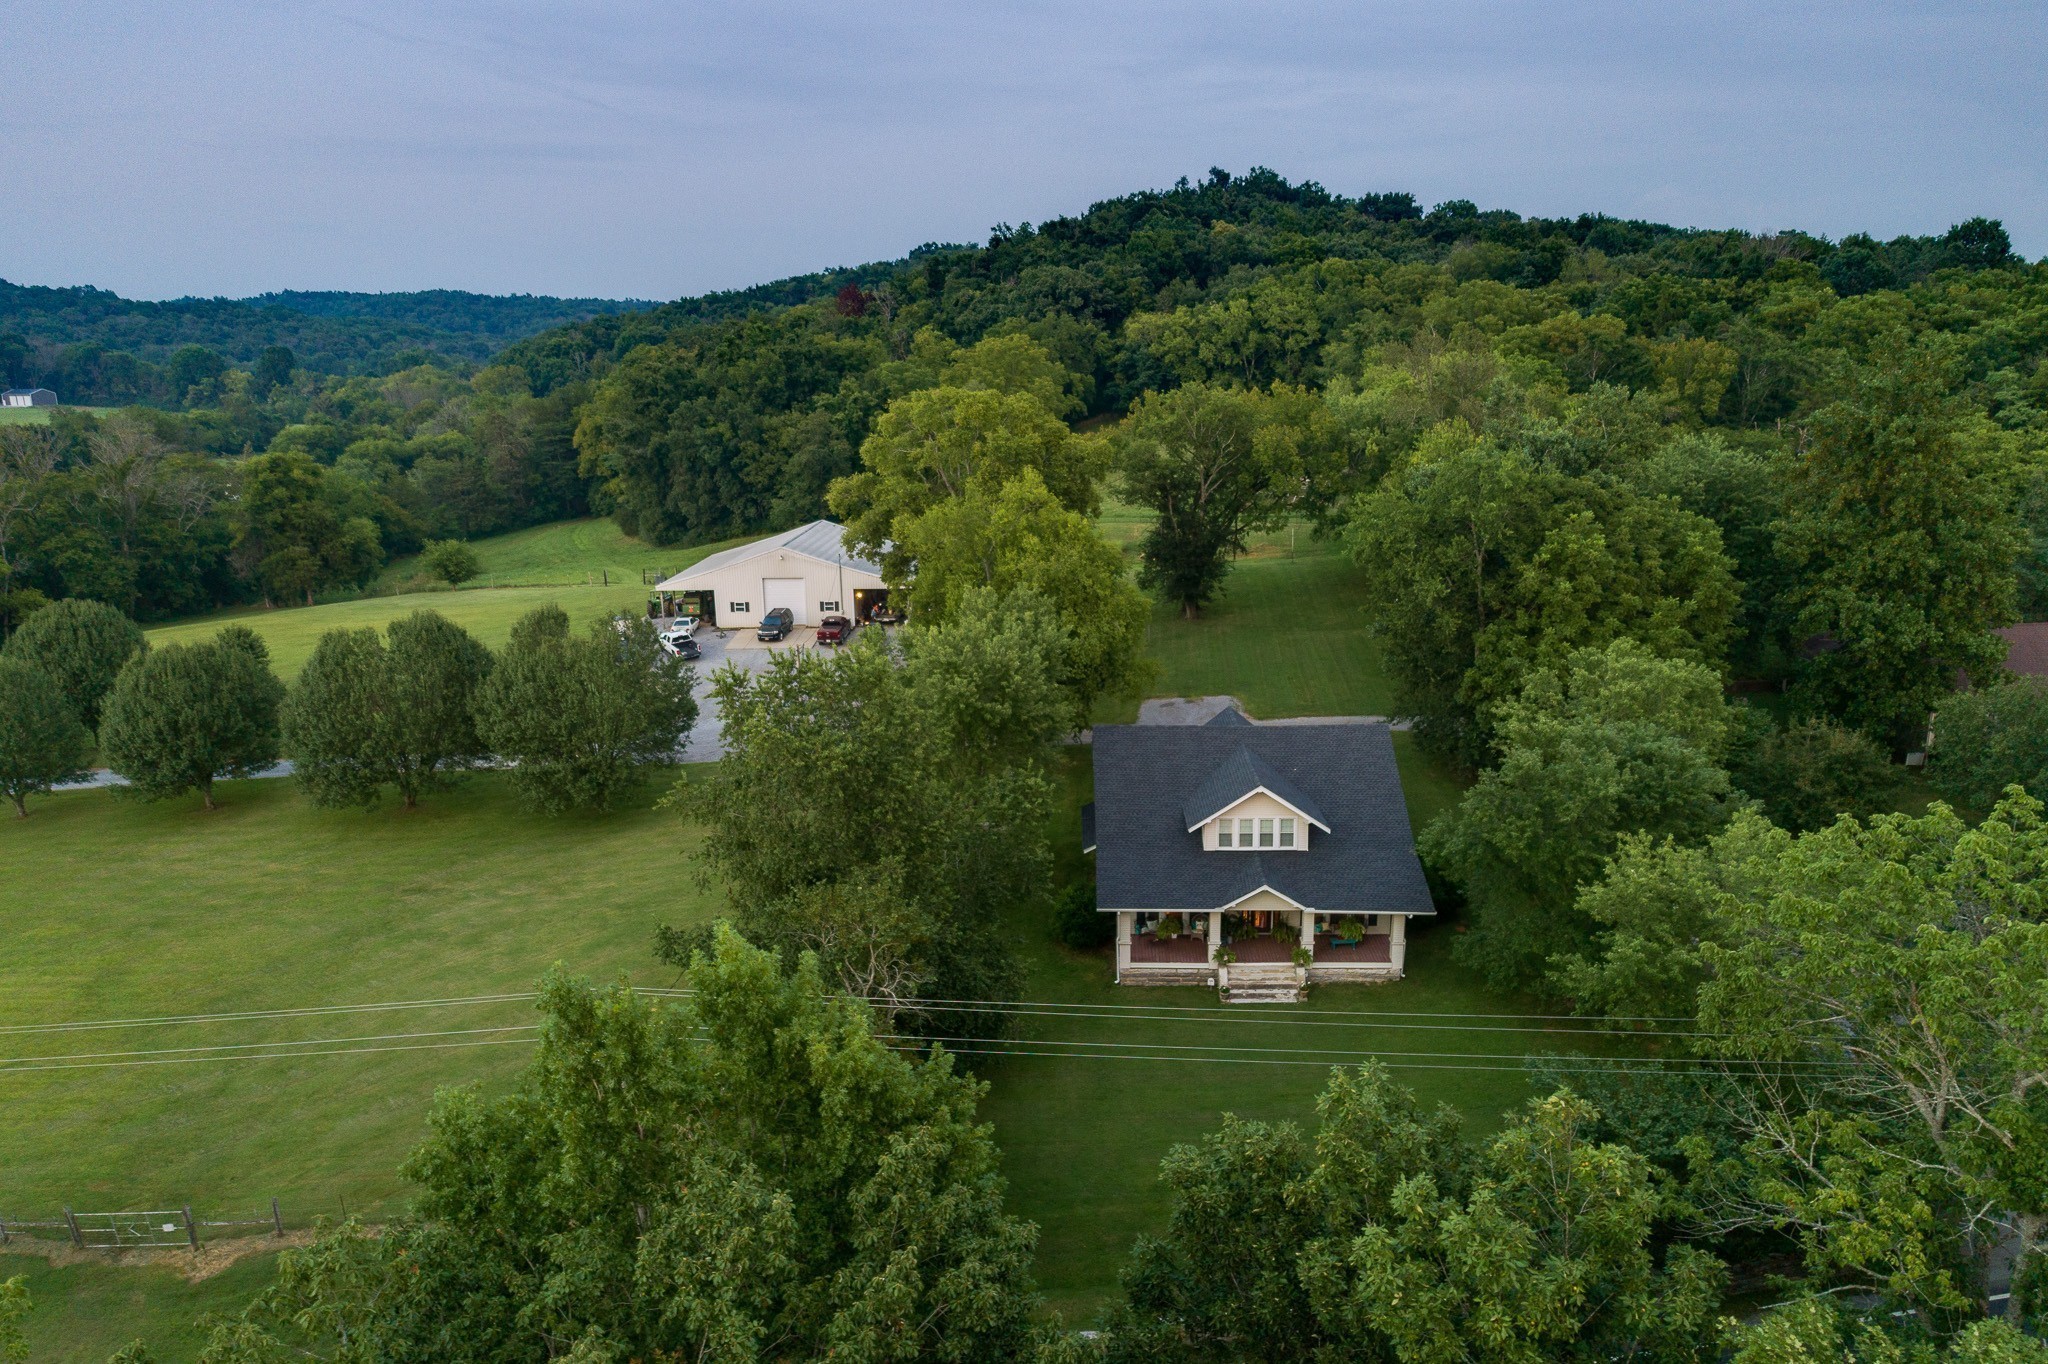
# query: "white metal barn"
28,397
807,570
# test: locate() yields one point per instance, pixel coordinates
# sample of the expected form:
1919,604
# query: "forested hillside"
736,412
96,348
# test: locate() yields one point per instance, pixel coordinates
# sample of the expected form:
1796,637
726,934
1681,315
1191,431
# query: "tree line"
573,715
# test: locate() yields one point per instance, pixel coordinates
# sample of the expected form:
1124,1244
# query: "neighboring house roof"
1145,780
2027,648
1242,774
1088,827
824,541
1229,715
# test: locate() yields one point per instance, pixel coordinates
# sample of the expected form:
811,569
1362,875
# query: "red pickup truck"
835,630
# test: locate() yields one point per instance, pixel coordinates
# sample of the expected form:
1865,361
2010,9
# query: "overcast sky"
656,150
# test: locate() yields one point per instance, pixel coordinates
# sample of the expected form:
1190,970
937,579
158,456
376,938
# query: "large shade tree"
577,717
747,1174
1217,465
1484,565
41,741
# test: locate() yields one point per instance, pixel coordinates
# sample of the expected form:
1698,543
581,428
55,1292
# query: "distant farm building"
28,397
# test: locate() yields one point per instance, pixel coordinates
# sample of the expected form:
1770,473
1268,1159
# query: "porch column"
1215,933
1397,943
1124,919
1308,931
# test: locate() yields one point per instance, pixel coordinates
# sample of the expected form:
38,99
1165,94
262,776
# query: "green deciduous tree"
1902,526
293,532
750,1174
1385,1236
1019,539
15,1304
1485,565
41,741
1218,464
946,442
183,716
1985,741
1879,988
1817,1328
364,714
937,755
578,717
82,645
1618,742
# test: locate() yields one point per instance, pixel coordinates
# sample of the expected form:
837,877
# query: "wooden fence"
134,1230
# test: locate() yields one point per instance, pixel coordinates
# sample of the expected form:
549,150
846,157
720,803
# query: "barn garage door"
785,592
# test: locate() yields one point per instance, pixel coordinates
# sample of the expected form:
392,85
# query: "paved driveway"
705,742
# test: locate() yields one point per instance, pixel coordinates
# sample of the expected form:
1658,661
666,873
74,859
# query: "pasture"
565,564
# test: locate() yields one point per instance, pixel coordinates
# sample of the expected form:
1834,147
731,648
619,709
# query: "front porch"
1168,948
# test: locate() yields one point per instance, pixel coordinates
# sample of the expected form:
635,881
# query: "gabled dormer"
1246,805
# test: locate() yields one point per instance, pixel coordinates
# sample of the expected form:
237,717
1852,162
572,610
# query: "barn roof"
824,541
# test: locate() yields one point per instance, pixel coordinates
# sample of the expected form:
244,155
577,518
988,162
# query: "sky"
660,150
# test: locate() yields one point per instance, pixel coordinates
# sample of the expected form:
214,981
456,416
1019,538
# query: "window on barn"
738,606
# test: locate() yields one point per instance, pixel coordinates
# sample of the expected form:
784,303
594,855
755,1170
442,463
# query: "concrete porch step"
1263,994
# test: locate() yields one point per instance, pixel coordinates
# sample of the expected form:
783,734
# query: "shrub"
452,561
1078,923
83,646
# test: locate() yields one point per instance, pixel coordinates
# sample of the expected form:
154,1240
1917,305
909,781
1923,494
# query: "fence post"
191,1228
276,1217
71,1221
3,1231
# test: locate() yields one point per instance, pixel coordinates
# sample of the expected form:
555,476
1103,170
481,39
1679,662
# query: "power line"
270,1056
9,1061
248,1015
1105,1009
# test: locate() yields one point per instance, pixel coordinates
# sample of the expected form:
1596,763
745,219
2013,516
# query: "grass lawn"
1287,636
119,910
85,1312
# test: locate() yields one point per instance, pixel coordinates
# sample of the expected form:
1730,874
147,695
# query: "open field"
85,1312
565,563
40,416
567,553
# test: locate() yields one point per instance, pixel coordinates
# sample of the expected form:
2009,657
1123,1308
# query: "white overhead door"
785,592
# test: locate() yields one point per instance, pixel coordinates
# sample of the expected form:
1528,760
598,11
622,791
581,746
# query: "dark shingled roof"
1229,715
1088,827
1148,776
1236,777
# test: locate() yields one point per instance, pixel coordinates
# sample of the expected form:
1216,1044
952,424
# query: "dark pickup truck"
835,630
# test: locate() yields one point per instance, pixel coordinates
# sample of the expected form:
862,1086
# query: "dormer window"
1249,835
